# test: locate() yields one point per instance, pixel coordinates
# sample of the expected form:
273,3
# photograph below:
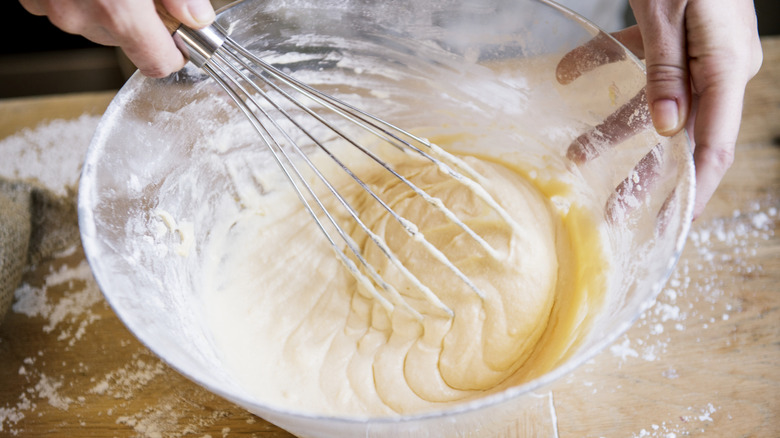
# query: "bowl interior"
165,149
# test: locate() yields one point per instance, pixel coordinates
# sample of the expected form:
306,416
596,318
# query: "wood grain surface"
705,361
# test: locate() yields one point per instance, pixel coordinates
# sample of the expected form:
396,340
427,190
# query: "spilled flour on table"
699,296
123,382
166,419
714,247
153,422
51,153
65,305
679,429
66,310
73,308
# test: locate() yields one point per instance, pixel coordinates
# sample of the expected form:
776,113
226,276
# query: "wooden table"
705,361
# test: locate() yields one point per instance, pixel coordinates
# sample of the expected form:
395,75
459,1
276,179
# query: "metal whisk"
250,82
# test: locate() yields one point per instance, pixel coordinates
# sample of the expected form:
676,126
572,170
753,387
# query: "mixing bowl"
162,165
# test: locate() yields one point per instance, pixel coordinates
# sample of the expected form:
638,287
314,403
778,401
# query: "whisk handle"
198,45
170,22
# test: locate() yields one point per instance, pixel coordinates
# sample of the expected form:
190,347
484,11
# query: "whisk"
250,82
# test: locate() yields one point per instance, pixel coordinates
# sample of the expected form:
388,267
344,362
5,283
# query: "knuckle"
666,74
154,71
118,17
64,17
718,157
35,7
757,60
111,15
158,68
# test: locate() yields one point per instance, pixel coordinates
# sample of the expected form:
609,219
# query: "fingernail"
666,116
201,11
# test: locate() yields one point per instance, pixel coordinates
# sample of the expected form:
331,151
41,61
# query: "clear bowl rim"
89,242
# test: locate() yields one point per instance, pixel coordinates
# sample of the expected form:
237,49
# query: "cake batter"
300,332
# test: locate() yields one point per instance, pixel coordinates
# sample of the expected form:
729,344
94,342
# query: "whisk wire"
380,128
234,68
276,149
407,225
225,79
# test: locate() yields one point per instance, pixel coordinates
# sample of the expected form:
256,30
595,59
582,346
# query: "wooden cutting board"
705,361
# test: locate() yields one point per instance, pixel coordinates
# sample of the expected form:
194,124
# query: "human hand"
132,25
700,55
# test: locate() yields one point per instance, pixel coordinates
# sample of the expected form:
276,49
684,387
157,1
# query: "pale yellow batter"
300,332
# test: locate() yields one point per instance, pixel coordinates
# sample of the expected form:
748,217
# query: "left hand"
700,55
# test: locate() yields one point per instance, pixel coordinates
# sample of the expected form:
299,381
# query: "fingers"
631,37
33,6
715,129
634,191
132,25
192,13
69,15
637,190
628,120
598,51
725,53
699,57
149,44
668,81
145,39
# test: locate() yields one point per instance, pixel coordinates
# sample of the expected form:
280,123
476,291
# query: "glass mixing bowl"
500,67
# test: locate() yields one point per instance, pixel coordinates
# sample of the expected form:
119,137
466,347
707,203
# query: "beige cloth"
34,224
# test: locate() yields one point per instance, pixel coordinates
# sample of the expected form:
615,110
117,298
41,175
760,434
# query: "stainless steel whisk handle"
197,45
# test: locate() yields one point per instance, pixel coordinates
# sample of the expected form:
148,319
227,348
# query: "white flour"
74,307
66,305
124,382
38,152
705,304
712,246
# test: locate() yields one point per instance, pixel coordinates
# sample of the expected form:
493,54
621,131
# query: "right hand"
133,25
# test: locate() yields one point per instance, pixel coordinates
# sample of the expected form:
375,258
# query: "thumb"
192,13
662,23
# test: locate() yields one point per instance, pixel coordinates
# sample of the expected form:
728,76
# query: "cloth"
34,224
